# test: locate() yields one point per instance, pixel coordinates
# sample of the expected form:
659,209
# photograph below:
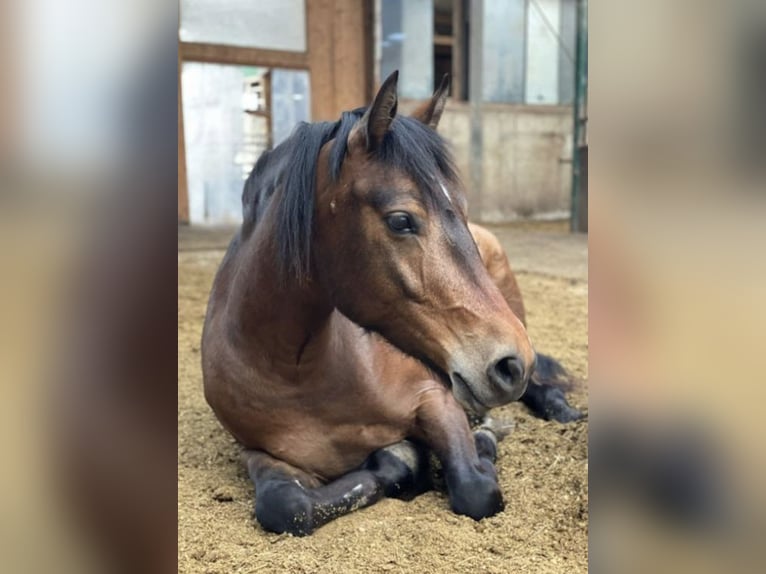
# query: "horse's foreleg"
467,459
290,500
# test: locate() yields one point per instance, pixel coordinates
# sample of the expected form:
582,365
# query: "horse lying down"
357,317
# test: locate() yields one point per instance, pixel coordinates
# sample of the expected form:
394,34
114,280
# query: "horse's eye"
400,222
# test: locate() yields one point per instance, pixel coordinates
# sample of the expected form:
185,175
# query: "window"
449,46
271,24
550,39
527,57
231,115
406,44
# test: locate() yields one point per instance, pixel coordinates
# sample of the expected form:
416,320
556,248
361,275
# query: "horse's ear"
377,119
430,112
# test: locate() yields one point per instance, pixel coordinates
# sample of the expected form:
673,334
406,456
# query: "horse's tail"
548,371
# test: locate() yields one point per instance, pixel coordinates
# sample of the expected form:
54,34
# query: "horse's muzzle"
504,381
507,374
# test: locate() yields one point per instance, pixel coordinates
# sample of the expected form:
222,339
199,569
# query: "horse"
357,319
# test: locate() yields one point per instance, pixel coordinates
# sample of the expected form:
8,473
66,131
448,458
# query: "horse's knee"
284,507
477,496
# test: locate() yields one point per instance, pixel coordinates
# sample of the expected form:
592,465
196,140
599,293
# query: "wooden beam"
320,24
237,55
336,36
369,50
349,56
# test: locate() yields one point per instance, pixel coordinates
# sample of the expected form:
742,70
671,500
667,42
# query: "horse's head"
392,248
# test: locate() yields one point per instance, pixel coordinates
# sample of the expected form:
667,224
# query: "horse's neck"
278,316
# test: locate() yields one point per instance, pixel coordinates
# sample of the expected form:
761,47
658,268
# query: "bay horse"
357,317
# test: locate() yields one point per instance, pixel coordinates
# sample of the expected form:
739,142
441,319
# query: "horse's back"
496,261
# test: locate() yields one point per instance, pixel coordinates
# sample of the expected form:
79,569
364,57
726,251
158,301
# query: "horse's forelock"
410,146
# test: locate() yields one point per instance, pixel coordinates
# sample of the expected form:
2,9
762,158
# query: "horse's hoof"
567,415
479,498
561,411
558,409
285,509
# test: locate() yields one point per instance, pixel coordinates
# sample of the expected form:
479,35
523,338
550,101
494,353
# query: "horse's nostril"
508,371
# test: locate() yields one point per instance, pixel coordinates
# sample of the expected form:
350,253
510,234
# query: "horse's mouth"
473,402
455,382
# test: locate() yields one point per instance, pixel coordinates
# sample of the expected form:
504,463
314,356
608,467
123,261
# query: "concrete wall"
527,158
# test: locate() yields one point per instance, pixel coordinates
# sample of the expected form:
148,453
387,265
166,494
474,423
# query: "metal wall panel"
504,41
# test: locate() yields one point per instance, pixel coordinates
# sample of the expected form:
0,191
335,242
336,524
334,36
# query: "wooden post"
475,86
371,42
349,56
319,40
336,56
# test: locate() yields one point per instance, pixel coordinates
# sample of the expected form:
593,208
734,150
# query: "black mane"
409,145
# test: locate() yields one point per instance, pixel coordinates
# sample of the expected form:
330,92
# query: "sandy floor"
542,466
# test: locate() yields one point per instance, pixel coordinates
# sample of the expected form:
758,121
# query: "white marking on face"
444,191
356,489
